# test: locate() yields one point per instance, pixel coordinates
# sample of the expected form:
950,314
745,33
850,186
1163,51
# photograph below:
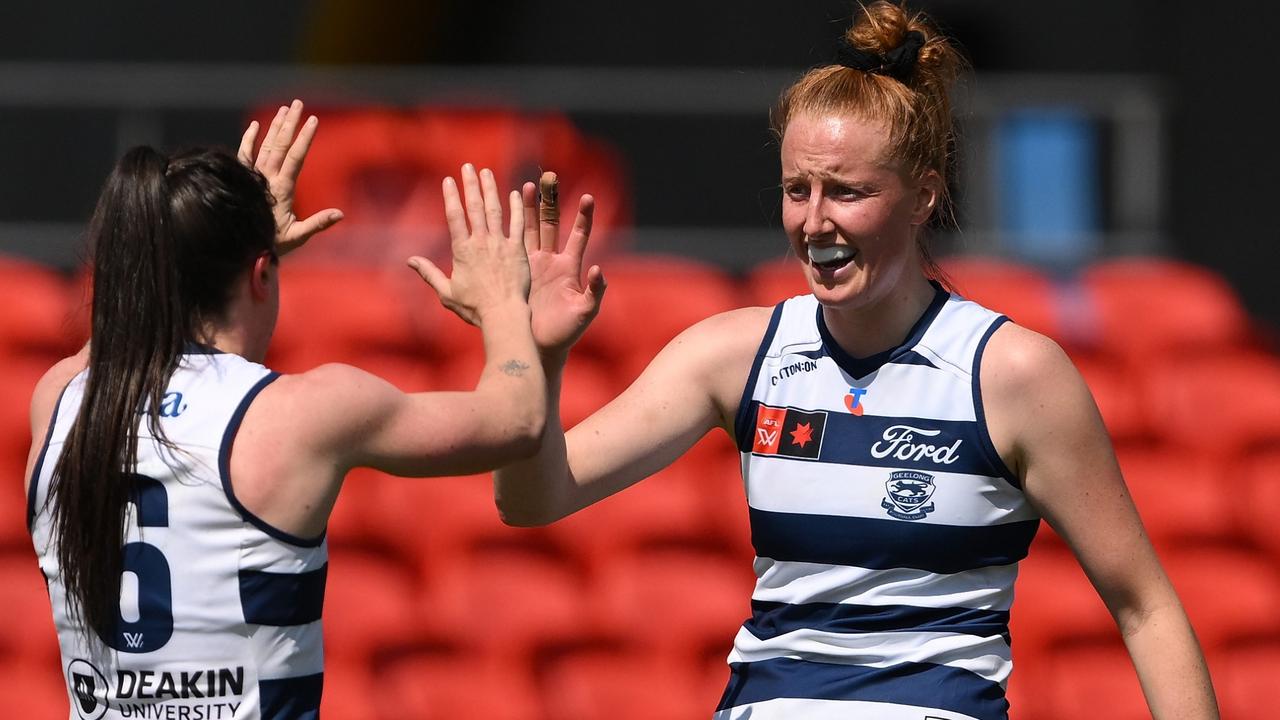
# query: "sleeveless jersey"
219,611
886,527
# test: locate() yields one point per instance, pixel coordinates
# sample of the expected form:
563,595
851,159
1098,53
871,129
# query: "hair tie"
898,63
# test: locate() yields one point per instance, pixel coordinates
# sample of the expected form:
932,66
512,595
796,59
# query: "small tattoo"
515,367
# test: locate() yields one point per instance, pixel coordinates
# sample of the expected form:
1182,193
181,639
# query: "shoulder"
1017,359
716,346
327,394
1034,398
49,388
732,330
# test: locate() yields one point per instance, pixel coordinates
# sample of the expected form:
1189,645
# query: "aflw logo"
899,441
133,640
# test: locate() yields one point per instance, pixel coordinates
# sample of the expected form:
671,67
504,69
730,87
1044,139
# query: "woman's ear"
928,196
263,277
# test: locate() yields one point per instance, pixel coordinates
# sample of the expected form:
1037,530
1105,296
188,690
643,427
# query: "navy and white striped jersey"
219,611
886,527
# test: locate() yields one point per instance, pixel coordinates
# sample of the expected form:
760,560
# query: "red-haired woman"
900,444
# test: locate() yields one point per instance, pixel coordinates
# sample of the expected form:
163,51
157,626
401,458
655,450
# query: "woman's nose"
815,218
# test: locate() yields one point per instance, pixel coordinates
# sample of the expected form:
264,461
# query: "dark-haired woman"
895,481
179,490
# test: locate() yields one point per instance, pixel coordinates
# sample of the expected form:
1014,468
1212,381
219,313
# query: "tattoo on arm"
514,367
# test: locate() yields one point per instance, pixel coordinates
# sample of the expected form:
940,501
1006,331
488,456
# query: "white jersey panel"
887,529
220,613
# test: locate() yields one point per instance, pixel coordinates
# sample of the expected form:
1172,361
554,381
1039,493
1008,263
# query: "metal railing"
141,97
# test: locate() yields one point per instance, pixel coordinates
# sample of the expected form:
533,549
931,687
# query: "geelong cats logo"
908,491
89,688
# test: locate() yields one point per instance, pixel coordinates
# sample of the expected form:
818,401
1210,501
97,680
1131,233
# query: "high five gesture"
279,159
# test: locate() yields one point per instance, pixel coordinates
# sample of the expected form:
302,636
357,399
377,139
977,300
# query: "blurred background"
1114,187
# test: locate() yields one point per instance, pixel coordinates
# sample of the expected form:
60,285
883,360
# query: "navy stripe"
746,412
771,619
224,466
926,685
281,599
34,485
862,367
911,357
984,435
296,698
878,544
902,443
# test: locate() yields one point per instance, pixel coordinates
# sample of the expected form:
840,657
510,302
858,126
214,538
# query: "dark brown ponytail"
170,237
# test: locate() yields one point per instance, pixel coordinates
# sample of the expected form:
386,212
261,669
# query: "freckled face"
849,212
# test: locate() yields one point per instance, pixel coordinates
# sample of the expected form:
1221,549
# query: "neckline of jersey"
195,348
862,367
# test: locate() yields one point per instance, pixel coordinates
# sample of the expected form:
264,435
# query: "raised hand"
279,159
490,270
563,304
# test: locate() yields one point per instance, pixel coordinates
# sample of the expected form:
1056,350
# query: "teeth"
829,253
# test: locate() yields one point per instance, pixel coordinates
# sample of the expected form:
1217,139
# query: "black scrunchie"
898,63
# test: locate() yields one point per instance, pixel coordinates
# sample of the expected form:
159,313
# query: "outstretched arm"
356,419
1047,427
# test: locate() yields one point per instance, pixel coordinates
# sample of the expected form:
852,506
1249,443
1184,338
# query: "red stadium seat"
357,521
27,633
1145,306
666,509
16,385
435,520
443,684
369,605
1181,495
771,282
1229,595
1023,293
1244,679
330,313
620,685
1117,396
649,301
33,689
697,599
1221,404
1054,602
35,311
383,167
589,384
1080,681
350,690
506,602
1261,475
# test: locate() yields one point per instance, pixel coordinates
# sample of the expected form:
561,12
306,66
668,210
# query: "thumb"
432,275
596,286
318,222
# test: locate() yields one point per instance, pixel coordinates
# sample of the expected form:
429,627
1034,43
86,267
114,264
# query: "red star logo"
802,434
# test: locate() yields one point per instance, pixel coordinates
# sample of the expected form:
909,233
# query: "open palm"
279,159
563,304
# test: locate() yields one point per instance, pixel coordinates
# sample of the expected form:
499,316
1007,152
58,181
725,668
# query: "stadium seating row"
1133,308
460,616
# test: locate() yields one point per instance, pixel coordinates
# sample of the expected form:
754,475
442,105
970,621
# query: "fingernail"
335,216
313,120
